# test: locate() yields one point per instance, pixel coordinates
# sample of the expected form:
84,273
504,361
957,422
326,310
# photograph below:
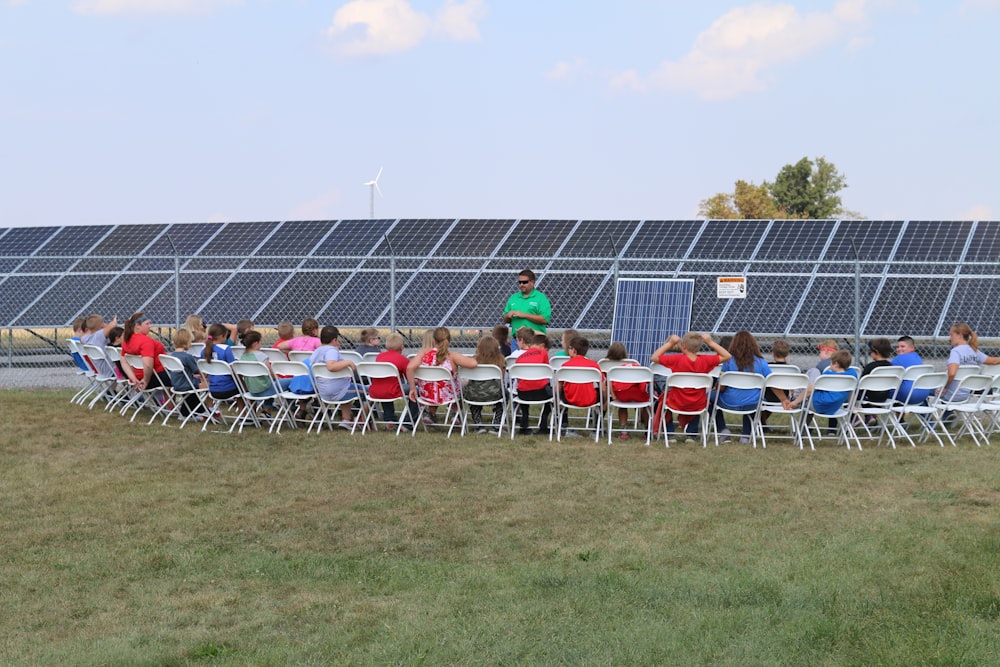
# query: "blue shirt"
732,397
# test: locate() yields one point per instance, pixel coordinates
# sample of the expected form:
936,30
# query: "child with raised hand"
687,360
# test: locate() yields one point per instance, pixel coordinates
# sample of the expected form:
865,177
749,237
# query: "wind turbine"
372,187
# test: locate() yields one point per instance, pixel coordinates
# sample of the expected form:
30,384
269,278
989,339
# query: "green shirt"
535,303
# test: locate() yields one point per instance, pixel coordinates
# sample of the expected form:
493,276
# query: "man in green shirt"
529,307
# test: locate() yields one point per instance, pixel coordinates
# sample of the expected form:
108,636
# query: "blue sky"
149,111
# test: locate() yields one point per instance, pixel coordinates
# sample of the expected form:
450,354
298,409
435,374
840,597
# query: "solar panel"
648,310
474,237
125,293
799,240
970,304
24,240
910,306
75,241
874,241
760,312
828,308
483,303
930,240
236,242
294,269
304,295
429,296
984,249
128,240
59,304
536,238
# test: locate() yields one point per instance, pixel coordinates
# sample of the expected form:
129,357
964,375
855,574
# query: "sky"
159,111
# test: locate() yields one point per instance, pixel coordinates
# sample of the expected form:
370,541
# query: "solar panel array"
916,277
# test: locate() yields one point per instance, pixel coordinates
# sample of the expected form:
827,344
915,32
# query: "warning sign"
732,287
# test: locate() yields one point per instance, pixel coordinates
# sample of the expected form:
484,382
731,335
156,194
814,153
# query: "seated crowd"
335,379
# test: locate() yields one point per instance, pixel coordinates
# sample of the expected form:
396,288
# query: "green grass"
126,544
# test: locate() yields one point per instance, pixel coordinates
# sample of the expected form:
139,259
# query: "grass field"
132,545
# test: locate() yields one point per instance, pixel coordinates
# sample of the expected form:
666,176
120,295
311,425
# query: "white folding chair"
106,379
742,381
606,363
84,369
274,354
253,403
990,406
841,384
787,369
178,397
433,374
379,370
791,384
328,413
975,389
124,389
481,373
216,368
879,410
557,361
895,371
370,356
289,401
924,413
578,375
353,355
631,375
693,381
142,398
299,355
518,372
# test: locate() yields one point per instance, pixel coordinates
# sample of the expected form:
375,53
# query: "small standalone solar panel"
648,310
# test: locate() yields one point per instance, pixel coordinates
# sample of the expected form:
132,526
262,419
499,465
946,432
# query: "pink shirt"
304,343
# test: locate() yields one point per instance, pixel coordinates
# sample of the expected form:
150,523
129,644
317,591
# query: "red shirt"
144,346
631,392
387,387
690,400
580,393
533,355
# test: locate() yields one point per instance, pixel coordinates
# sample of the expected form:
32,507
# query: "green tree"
809,190
805,189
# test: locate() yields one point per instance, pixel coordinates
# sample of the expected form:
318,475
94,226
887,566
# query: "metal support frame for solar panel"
648,310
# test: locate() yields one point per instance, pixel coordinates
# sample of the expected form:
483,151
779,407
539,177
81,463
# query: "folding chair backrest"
353,355
930,381
250,368
578,374
530,372
976,385
274,354
913,372
633,374
965,370
299,355
895,371
319,370
690,381
784,368
216,367
741,380
480,373
787,381
557,362
284,367
879,382
369,356
377,369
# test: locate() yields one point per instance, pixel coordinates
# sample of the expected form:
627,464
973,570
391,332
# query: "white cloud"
150,6
380,27
978,212
735,54
567,70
